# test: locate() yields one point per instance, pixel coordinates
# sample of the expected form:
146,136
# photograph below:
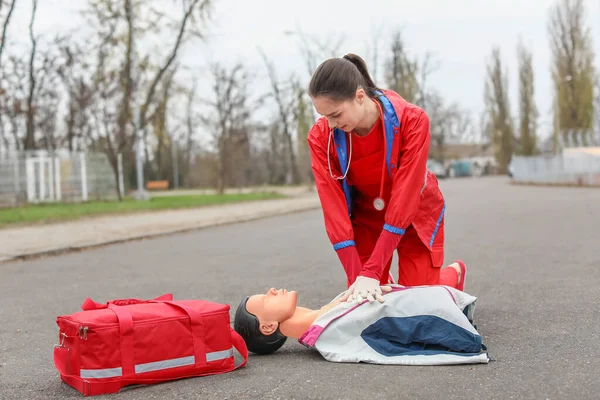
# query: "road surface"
533,258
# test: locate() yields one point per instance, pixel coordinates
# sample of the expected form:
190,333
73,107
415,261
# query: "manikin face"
272,308
344,115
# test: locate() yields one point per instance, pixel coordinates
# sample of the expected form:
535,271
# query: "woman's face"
344,115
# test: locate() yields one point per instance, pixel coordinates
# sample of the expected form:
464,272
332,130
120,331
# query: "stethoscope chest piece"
378,203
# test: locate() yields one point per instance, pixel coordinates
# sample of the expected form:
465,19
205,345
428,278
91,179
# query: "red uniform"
395,151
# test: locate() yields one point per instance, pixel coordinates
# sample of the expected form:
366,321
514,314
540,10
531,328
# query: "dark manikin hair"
247,325
339,78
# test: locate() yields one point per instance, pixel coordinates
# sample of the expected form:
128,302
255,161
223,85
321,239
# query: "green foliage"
572,71
69,211
402,71
528,112
498,110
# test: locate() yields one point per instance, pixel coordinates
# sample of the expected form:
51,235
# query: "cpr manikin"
404,329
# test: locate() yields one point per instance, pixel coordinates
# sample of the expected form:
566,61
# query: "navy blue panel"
421,334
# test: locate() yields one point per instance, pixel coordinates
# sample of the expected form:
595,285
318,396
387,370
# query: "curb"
293,209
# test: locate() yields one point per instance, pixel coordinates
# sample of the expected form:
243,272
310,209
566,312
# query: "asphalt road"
534,266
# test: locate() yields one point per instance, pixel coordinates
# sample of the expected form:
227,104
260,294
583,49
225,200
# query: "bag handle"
89,304
240,346
197,327
126,329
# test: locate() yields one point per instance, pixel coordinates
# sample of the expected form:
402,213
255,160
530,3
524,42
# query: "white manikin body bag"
422,325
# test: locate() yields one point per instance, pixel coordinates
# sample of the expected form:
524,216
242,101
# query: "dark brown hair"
338,78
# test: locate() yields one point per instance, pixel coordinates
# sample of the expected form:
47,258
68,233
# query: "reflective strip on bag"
165,364
101,373
155,366
219,355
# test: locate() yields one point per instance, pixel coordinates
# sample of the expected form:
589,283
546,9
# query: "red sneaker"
463,275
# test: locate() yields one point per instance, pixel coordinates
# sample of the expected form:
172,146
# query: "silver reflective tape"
219,355
165,364
101,373
156,365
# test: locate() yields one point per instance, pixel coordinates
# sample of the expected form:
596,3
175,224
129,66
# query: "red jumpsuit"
412,221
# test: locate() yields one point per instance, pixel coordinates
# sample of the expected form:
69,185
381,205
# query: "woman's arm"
407,185
333,202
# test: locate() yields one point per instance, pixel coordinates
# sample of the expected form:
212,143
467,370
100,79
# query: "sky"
459,34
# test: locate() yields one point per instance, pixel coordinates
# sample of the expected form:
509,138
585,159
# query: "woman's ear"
360,95
268,328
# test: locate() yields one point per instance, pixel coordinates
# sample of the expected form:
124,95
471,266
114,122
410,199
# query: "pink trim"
309,338
451,295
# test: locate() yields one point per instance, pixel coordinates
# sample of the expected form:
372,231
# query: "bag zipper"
150,321
82,330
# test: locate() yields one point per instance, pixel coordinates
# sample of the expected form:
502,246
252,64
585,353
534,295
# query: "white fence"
568,168
40,176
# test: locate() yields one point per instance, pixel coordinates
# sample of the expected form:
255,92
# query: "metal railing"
41,176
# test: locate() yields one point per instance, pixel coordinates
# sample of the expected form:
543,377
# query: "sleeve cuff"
394,229
342,245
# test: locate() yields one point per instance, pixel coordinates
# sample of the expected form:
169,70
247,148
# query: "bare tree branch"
5,27
30,136
284,114
182,29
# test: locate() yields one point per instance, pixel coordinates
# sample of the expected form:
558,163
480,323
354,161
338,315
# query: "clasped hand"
365,288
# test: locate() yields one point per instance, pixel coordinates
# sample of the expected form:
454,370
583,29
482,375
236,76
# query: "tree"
402,72
303,118
315,50
191,121
572,72
164,140
30,135
76,77
406,74
120,24
229,119
4,94
5,24
498,109
528,112
596,130
285,99
447,123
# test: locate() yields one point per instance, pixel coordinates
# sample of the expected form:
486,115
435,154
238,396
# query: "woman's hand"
365,288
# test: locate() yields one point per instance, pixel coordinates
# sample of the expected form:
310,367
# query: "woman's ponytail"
362,68
338,78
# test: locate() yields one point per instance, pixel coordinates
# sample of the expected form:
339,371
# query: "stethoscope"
378,203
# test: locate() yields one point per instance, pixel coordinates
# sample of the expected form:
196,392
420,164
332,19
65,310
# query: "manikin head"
341,89
258,318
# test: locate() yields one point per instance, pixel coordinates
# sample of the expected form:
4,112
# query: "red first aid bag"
108,346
